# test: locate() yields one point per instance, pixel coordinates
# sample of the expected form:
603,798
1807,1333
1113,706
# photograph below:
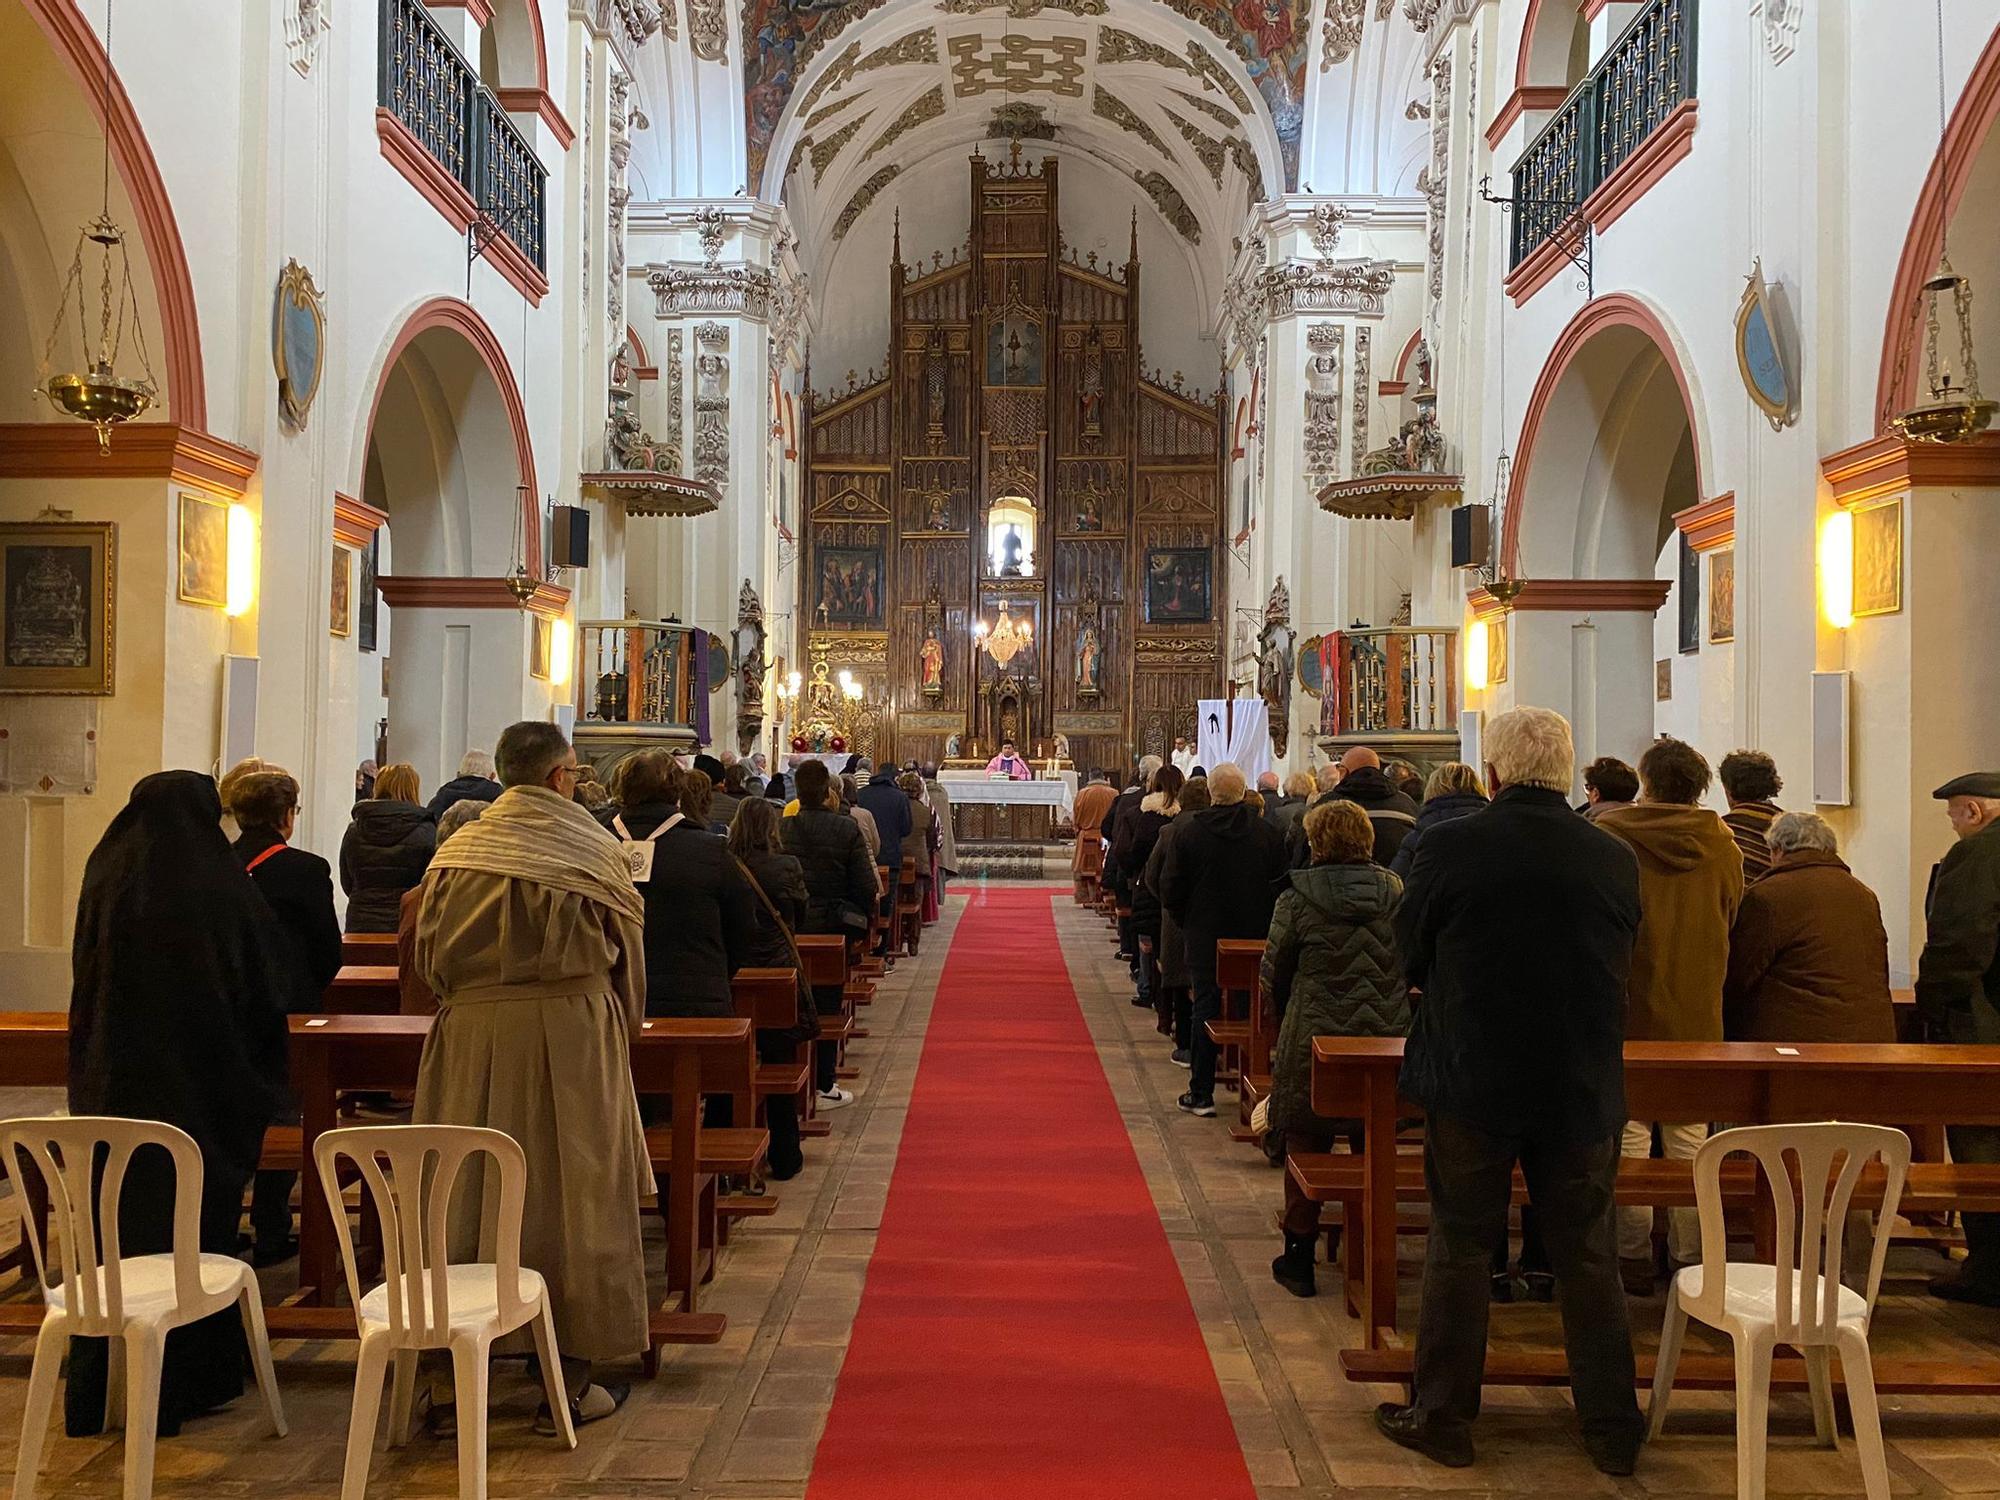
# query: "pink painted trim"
1710,524
425,172
1972,120
1403,359
481,11
449,312
1529,21
639,355
173,284
1617,310
1391,387
1541,266
139,450
1590,10
1535,97
1661,152
536,101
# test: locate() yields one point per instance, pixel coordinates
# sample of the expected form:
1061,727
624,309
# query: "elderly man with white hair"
1808,955
1518,927
473,783
1219,880
1958,992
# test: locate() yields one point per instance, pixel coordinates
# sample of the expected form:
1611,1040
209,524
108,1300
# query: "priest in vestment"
1009,764
531,934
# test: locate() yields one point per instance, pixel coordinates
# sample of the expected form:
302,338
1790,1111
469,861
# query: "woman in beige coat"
531,935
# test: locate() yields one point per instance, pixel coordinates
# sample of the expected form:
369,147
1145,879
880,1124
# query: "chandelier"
99,393
1007,638
1955,411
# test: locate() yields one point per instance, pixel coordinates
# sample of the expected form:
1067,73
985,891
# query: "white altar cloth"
972,788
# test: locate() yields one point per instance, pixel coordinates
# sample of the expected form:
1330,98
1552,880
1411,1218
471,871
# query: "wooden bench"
364,990
769,1000
825,958
1243,1032
368,949
1739,1082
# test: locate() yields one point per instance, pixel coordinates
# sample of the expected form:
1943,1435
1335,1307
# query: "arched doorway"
1555,45
446,457
1610,452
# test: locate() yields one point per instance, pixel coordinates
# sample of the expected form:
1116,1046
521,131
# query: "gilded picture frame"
541,640
298,342
1722,596
202,552
58,608
340,602
1878,558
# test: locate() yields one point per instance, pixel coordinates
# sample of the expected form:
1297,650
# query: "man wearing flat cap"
1958,992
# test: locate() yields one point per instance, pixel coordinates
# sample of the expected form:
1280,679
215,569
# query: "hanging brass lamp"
100,392
1955,411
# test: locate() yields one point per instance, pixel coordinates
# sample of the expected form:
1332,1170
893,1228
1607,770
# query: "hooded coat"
1390,812
1330,969
1220,880
1690,886
1808,957
385,852
889,805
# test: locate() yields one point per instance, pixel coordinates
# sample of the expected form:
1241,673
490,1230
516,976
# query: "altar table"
985,809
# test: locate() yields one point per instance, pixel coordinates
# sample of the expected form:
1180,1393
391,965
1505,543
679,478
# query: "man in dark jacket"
1392,811
473,783
889,805
1220,881
1958,993
1517,926
298,887
840,883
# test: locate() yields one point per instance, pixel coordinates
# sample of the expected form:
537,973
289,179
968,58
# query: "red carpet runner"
1024,1330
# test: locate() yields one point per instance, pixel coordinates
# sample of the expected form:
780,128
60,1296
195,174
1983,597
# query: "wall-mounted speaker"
569,536
1471,536
1831,714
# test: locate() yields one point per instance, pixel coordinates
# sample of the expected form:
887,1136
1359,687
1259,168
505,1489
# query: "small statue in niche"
1010,553
930,657
938,517
951,747
1089,660
1090,388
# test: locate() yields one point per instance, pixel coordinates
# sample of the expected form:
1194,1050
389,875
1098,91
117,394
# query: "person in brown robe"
530,933
1093,803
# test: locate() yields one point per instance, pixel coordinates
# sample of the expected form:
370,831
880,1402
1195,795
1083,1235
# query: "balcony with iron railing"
449,133
1610,138
1394,689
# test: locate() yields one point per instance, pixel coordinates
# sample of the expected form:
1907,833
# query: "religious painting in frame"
1722,596
1663,680
1878,559
366,617
541,639
1178,586
340,605
203,551
58,609
1496,649
1690,600
849,586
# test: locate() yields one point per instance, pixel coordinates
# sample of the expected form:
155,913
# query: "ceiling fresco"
1271,39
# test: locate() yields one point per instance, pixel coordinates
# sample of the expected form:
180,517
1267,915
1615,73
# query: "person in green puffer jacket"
1330,969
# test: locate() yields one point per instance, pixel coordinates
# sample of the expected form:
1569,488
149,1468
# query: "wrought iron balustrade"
426,83
1644,76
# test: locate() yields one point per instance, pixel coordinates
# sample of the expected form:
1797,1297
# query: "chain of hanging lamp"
98,393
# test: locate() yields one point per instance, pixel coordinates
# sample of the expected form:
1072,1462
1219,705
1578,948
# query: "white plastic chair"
132,1300
1800,1300
425,1302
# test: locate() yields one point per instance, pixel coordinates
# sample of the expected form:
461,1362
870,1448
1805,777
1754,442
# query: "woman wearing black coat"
757,841
840,890
386,850
1453,791
700,909
176,966
1141,831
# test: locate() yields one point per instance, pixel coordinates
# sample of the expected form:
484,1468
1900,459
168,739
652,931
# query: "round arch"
520,52
82,53
460,319
1547,58
1959,157
1628,331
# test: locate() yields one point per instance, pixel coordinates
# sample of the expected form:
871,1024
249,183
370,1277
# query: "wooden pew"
769,1000
34,1054
825,956
909,928
1250,1027
1740,1082
364,990
368,948
691,1059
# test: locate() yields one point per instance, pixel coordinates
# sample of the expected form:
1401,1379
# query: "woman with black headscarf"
176,1014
